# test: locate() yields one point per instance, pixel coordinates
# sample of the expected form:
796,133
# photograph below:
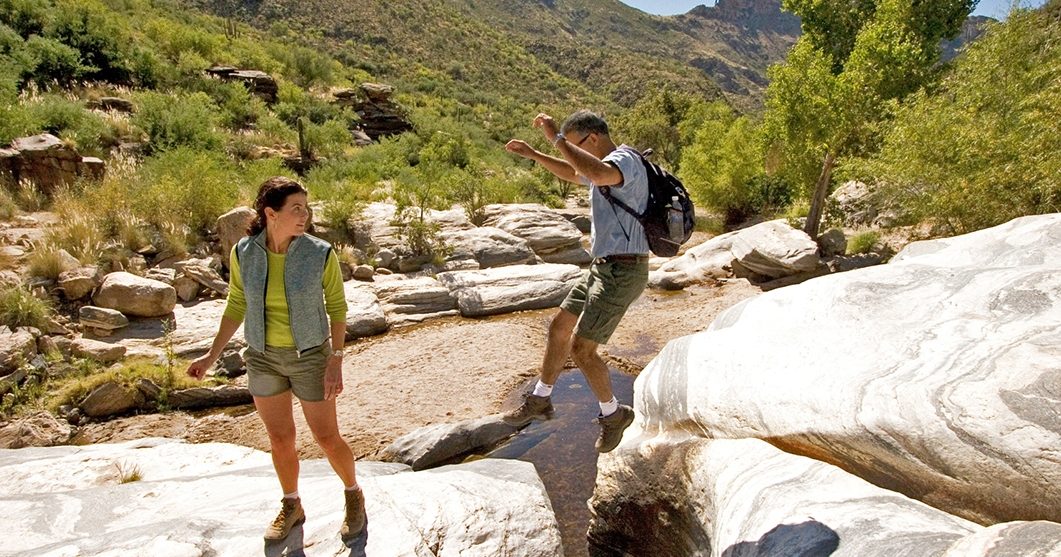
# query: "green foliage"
178,121
83,377
864,242
723,168
661,120
415,192
196,187
854,62
344,186
20,308
8,207
982,148
330,139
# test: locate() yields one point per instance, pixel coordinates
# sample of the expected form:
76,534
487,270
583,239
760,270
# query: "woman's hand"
197,369
333,377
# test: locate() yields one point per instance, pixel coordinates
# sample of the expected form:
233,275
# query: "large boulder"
16,348
364,314
45,161
432,445
488,246
231,227
554,238
747,498
102,352
508,289
768,250
136,296
110,399
80,282
102,319
413,300
215,499
935,375
36,430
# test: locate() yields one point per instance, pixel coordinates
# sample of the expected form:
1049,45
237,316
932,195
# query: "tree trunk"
821,190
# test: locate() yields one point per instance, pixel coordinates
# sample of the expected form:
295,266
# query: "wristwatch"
337,353
558,138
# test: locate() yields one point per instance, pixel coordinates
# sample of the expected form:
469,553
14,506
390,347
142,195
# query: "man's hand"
548,126
520,148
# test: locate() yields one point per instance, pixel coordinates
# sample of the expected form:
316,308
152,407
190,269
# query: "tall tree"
855,59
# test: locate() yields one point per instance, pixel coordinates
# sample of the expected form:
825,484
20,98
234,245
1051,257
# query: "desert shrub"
194,186
863,242
178,121
20,308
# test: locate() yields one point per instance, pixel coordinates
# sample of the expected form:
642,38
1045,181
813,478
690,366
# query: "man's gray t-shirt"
613,230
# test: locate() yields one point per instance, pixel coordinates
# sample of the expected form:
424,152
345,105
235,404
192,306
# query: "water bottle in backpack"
675,221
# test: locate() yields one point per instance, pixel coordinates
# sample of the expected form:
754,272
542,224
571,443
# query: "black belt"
621,258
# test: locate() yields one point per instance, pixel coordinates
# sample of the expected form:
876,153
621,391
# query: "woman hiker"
287,286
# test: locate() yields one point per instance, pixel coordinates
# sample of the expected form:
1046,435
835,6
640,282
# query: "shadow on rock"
291,546
806,539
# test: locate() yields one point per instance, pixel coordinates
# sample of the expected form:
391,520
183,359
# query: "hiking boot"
291,515
354,523
533,407
612,428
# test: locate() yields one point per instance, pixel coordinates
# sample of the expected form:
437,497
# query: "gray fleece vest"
303,276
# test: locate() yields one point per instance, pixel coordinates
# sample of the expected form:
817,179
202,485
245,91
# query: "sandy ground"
442,371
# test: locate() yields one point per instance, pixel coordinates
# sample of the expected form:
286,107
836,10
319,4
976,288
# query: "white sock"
354,487
608,408
541,389
292,495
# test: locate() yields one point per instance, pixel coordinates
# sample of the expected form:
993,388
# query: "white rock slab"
547,232
508,289
489,246
216,499
687,496
935,375
414,300
364,314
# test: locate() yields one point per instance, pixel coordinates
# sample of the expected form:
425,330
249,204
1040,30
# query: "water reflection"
562,451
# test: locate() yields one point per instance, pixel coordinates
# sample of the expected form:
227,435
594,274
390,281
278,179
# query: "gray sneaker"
533,407
354,523
612,428
291,515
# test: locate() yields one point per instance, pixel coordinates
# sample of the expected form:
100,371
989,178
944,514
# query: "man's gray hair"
584,122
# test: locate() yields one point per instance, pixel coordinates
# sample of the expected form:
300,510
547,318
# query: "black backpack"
662,186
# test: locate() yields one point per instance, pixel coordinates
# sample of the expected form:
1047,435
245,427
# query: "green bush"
865,242
194,187
329,140
20,308
178,121
70,120
981,148
52,62
723,169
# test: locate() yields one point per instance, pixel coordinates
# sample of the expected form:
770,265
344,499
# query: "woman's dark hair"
273,193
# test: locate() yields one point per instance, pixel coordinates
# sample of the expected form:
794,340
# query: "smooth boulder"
415,300
215,499
508,289
136,296
935,375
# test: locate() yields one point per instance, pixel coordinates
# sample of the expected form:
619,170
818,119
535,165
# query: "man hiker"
617,276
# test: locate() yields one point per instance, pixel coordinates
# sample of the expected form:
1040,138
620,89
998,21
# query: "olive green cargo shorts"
276,370
602,296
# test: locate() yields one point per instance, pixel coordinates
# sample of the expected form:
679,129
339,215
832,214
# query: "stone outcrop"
102,352
435,444
47,162
110,399
136,296
508,289
36,430
80,282
767,250
488,247
213,498
379,115
364,314
113,104
552,237
16,348
257,82
102,319
413,300
746,497
934,376
232,226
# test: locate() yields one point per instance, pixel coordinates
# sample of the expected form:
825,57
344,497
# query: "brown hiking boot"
612,428
354,523
291,515
533,407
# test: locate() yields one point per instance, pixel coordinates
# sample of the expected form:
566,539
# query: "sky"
993,8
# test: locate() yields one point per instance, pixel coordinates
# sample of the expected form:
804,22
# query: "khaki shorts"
278,370
602,296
